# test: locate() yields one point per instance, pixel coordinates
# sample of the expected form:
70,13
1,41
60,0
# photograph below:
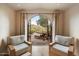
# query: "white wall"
7,22
72,21
72,24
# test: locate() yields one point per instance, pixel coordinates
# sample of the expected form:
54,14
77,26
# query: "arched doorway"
39,30
35,30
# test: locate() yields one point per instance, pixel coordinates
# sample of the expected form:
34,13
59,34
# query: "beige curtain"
20,23
59,23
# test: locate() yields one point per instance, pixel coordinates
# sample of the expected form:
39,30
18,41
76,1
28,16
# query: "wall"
72,24
72,21
7,23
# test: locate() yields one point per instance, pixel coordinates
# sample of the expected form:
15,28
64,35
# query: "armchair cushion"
21,48
63,40
15,40
61,48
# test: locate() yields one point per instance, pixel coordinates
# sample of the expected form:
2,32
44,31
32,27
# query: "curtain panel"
20,23
59,23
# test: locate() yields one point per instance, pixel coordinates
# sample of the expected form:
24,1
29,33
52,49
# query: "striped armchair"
17,45
63,46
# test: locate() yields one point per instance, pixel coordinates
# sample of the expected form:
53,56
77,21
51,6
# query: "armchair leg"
70,53
12,53
30,49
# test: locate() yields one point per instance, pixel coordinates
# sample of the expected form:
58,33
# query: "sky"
34,20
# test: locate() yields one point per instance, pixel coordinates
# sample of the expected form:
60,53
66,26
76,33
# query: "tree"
38,29
42,21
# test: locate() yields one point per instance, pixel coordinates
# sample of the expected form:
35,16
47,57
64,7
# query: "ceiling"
33,6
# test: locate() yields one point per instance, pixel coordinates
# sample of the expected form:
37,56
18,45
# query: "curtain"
20,23
53,27
59,23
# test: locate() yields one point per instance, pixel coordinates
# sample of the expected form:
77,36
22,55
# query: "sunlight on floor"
42,50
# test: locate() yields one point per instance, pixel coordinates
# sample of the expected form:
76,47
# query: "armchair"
63,46
18,46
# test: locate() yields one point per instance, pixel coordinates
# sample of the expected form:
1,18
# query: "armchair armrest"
29,43
71,50
51,44
30,46
11,47
11,50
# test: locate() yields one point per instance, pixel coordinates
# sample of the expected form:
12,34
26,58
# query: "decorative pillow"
63,40
15,40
